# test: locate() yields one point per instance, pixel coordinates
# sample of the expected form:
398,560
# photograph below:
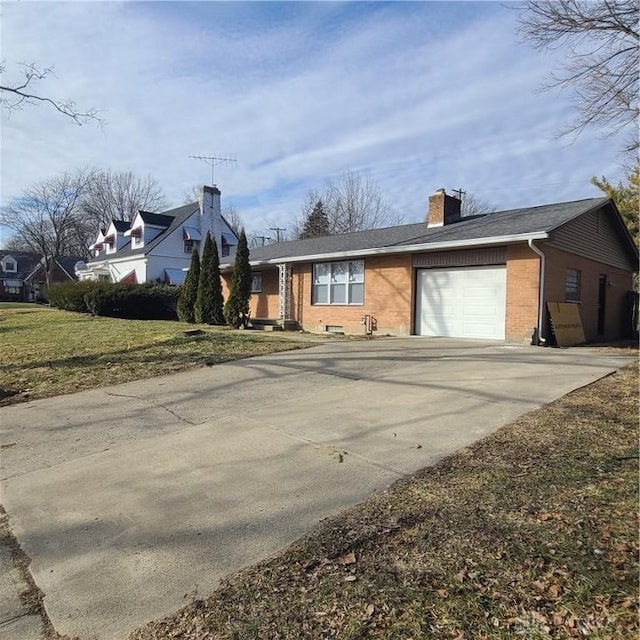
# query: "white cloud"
416,95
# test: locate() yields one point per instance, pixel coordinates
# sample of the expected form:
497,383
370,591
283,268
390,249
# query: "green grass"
531,533
46,352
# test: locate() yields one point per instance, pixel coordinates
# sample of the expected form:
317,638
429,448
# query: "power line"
277,231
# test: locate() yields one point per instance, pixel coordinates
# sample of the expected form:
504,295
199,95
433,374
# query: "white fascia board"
413,248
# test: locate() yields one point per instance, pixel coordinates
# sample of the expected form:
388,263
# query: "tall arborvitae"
208,307
236,309
317,223
187,299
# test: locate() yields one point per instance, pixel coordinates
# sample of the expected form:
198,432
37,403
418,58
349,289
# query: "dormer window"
10,265
136,237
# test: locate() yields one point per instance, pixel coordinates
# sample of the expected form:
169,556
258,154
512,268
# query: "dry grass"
46,352
531,533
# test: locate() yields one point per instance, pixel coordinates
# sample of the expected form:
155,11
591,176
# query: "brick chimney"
443,209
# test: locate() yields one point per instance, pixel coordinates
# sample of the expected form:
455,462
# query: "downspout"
541,339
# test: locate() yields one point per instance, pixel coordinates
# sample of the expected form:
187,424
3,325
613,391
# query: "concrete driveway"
132,499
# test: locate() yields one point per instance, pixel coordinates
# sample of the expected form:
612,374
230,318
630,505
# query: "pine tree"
317,223
189,291
208,307
626,195
236,309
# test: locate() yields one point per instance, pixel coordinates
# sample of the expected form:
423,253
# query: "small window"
573,285
12,290
256,282
338,282
10,266
190,245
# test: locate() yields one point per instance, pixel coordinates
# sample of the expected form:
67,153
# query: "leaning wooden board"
566,323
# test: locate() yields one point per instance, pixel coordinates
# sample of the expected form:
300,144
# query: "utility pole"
459,193
263,239
213,162
277,231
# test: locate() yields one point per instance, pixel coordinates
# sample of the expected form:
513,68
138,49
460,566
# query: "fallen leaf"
350,578
368,612
349,558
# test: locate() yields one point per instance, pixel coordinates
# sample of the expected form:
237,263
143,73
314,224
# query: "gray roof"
157,219
121,225
175,218
527,221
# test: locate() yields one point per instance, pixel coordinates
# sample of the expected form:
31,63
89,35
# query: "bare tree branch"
46,215
14,96
601,71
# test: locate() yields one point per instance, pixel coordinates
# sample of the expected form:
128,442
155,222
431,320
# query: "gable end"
598,235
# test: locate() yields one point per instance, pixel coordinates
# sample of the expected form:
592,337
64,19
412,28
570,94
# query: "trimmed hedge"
117,300
134,301
70,295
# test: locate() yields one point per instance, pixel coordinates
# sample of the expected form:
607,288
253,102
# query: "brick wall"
620,283
388,290
523,275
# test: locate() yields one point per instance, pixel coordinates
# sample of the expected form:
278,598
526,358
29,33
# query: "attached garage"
462,302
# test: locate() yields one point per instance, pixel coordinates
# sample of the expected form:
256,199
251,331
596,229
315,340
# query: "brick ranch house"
157,247
487,276
23,277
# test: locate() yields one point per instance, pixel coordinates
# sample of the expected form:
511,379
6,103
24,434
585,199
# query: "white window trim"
348,303
257,275
5,266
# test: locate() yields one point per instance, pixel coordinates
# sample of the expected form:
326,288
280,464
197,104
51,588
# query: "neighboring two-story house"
157,247
23,277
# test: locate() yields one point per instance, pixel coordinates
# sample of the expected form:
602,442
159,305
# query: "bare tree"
192,194
233,218
602,66
16,94
46,215
474,206
354,203
113,195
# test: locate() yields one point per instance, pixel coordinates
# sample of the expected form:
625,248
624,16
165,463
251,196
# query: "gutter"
413,248
541,340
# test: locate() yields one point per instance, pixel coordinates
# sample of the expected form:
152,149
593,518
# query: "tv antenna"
213,162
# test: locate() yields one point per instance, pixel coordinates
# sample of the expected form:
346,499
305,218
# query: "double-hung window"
338,282
573,285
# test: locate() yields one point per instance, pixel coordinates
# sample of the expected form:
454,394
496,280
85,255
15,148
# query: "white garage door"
464,302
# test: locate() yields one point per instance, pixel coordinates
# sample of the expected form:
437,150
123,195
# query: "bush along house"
157,247
488,276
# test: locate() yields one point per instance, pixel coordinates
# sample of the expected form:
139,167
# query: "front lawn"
46,352
530,533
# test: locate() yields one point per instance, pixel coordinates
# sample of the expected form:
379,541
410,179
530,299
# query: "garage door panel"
463,302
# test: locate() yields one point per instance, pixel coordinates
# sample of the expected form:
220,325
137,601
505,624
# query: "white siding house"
157,246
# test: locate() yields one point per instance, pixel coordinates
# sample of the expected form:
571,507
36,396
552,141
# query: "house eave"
413,248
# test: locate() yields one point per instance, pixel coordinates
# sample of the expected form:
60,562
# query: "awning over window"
229,238
130,278
13,283
189,233
174,276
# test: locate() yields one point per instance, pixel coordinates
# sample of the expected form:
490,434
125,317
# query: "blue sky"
417,96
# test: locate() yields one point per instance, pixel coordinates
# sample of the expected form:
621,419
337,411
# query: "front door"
602,300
